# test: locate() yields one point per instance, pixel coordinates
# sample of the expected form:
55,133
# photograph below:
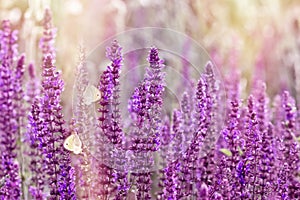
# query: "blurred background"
259,38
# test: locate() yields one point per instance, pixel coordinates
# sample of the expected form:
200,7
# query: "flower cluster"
50,164
213,145
11,95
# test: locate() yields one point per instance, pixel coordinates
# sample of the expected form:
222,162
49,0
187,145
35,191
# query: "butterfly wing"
68,143
88,95
77,150
91,95
77,144
73,143
96,93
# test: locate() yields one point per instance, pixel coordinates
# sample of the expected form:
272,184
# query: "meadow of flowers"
216,143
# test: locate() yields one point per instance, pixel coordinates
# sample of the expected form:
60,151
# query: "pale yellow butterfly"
73,143
91,95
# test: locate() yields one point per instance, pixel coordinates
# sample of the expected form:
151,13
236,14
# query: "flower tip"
31,70
209,66
5,22
22,58
114,52
204,190
262,85
154,58
48,12
47,17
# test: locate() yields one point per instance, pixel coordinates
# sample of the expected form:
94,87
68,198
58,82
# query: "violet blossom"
10,98
50,137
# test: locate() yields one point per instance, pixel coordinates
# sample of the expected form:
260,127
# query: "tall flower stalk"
36,166
81,124
287,183
51,134
11,75
145,107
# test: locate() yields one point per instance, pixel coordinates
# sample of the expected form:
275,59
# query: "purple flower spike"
32,86
47,131
266,164
289,149
187,126
145,106
165,154
8,44
114,53
38,177
232,136
116,57
203,192
19,93
171,180
262,107
253,139
11,95
110,116
49,34
154,79
178,137
110,124
200,120
59,171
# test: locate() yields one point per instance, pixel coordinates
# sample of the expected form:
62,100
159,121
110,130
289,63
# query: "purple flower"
186,110
138,104
203,192
253,138
50,137
145,106
49,34
170,181
36,167
106,88
11,77
155,88
177,144
32,86
197,158
289,149
231,136
110,124
110,118
82,123
8,44
200,110
262,109
242,172
165,155
266,165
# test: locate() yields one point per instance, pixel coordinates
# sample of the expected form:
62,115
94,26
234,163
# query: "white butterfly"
91,95
73,143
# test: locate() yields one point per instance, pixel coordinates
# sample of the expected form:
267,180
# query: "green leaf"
226,152
240,151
